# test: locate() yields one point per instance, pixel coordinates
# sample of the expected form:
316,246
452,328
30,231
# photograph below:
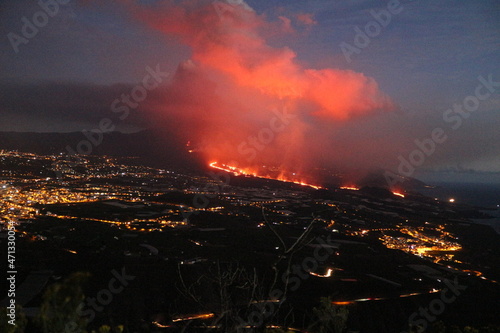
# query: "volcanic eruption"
245,103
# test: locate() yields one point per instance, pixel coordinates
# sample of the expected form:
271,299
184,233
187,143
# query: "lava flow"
352,188
238,172
399,194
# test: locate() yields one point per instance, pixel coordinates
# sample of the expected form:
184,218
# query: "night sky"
427,58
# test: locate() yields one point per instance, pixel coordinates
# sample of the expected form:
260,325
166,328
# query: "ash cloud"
226,95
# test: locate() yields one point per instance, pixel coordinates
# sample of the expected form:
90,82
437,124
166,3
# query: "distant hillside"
153,149
378,179
159,150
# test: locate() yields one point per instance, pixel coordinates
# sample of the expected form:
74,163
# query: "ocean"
474,194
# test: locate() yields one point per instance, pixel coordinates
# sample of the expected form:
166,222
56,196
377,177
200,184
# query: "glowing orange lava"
353,188
399,194
246,172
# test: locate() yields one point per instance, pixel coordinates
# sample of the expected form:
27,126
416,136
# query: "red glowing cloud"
227,96
306,19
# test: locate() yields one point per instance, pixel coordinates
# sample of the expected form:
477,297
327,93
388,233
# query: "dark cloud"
54,104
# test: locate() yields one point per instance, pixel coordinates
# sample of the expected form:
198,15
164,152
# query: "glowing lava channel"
352,188
238,172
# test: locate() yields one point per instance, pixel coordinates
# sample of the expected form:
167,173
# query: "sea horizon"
471,193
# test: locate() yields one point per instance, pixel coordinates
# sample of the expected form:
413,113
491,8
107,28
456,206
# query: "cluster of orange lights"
245,172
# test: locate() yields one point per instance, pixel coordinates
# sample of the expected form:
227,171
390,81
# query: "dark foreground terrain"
171,251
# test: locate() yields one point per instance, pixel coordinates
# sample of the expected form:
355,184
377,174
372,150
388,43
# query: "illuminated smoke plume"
241,100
